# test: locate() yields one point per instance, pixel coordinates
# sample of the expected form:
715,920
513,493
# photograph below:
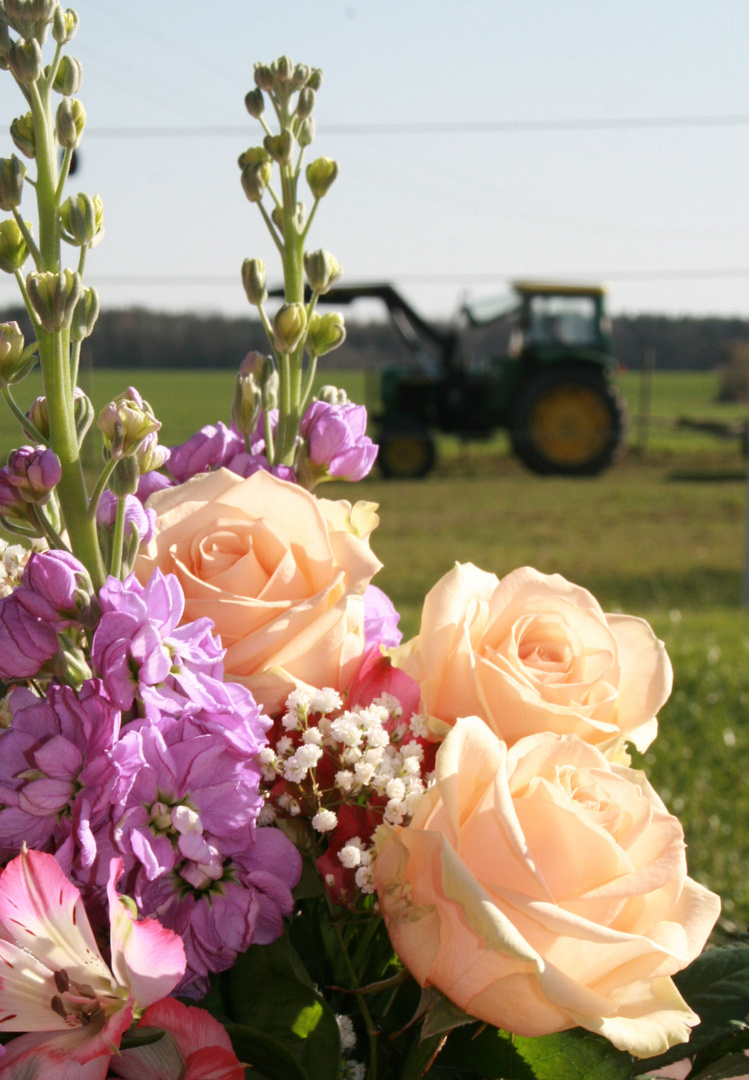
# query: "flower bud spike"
13,248
85,314
22,134
12,174
255,102
69,122
54,297
68,77
25,61
315,80
263,77
253,279
322,270
283,69
320,176
326,332
280,147
306,103
64,25
289,324
306,133
255,179
82,219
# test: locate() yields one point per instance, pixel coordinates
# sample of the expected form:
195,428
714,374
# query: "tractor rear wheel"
406,452
569,421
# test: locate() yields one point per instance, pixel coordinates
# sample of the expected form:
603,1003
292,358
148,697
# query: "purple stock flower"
26,642
380,620
136,515
210,448
34,471
185,823
337,443
143,654
150,482
55,588
56,773
246,464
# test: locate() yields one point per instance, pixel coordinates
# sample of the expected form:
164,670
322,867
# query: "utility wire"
488,127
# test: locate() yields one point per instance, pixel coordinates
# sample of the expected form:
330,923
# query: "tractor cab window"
563,320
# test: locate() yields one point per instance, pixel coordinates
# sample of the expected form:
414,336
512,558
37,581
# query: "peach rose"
535,653
281,573
544,887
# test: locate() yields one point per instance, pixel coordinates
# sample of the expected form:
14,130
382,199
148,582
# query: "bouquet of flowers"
223,777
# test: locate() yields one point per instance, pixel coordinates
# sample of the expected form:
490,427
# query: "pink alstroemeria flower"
54,984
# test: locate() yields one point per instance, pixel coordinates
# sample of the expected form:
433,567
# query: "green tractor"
538,363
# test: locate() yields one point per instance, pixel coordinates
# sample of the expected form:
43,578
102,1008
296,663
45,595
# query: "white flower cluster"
13,559
367,746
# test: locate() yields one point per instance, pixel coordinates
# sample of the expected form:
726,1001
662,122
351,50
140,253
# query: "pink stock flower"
195,1047
55,985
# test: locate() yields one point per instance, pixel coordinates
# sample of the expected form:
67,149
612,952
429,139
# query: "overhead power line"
471,127
222,280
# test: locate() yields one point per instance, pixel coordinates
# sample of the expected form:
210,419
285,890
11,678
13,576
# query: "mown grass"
662,536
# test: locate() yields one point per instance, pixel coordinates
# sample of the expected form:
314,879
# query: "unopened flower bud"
54,297
280,147
12,361
326,332
125,422
306,102
25,61
5,43
322,270
306,134
252,155
30,18
82,219
253,279
275,216
255,178
283,69
332,395
248,394
85,314
13,250
300,76
263,77
255,102
289,324
151,455
12,173
125,477
64,25
314,82
23,135
320,175
83,413
70,122
34,471
39,416
68,77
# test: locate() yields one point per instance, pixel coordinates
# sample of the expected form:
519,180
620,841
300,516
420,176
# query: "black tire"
406,452
569,421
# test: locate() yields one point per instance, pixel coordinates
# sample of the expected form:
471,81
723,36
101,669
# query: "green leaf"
569,1055
716,986
270,993
264,1053
442,1015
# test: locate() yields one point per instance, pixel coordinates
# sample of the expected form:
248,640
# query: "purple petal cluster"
185,824
56,772
337,441
26,642
55,588
145,658
380,620
221,447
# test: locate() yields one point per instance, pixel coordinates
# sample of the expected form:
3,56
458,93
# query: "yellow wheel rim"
570,425
406,455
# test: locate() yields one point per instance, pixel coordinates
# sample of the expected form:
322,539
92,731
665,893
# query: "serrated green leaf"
723,1068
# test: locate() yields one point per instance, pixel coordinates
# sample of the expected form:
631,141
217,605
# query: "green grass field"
662,535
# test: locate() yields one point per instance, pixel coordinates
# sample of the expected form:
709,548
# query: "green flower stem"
308,380
271,228
33,249
74,363
309,220
30,429
115,567
18,530
82,259
64,170
54,351
101,484
27,303
48,529
372,1031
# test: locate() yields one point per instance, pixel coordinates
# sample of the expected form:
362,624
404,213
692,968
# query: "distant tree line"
137,338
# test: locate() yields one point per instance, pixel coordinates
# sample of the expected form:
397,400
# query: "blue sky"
661,213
